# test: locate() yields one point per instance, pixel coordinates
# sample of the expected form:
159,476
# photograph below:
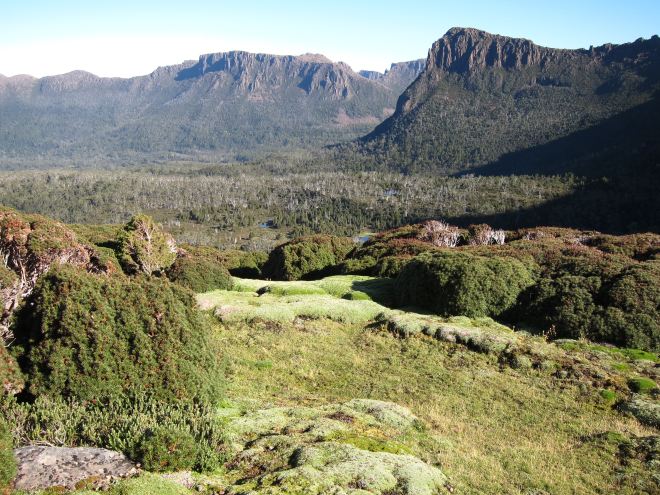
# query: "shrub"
120,423
245,264
29,246
11,378
307,258
7,459
632,302
93,337
641,385
167,449
384,258
144,247
460,283
564,305
199,274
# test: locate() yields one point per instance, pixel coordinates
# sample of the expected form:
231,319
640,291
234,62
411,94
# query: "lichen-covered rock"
40,468
358,447
331,467
387,413
646,411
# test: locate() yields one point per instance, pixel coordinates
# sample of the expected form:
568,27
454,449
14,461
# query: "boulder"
41,467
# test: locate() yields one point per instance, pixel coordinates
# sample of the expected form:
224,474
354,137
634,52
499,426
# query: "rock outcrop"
41,468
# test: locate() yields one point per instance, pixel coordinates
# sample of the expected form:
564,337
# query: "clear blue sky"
131,37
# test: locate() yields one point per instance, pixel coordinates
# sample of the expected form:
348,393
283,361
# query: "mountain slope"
484,96
224,102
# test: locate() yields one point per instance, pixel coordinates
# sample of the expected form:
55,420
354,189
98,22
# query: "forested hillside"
492,104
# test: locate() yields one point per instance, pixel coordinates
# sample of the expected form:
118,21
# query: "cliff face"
462,50
258,72
482,96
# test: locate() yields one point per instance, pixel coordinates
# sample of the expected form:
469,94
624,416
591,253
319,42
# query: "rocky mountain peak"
465,49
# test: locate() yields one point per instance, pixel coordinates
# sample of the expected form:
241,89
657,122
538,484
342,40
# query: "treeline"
204,204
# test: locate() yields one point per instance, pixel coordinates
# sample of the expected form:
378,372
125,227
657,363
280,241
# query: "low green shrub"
247,264
307,258
167,449
608,396
122,424
564,306
7,278
11,378
93,337
641,385
7,459
199,274
460,283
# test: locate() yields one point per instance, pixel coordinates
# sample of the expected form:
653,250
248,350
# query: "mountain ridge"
221,103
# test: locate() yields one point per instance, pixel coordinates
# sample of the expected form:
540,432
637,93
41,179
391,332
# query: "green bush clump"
460,283
608,396
11,378
385,256
167,449
585,293
564,304
199,274
93,337
307,257
119,423
641,385
7,459
7,278
245,264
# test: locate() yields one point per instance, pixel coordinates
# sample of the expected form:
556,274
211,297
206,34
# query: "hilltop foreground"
395,367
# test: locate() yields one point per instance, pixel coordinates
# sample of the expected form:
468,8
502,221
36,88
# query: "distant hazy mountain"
493,104
234,102
399,76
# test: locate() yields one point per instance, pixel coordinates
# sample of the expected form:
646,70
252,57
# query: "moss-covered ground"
495,428
332,392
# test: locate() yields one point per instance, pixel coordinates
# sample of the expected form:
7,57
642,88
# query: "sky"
131,37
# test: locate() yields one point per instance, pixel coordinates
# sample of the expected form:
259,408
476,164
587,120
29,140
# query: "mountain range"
480,103
234,102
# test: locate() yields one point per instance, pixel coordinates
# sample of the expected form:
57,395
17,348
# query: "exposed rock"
40,468
646,411
463,49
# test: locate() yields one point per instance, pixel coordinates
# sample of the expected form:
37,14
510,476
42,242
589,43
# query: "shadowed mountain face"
222,103
492,104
